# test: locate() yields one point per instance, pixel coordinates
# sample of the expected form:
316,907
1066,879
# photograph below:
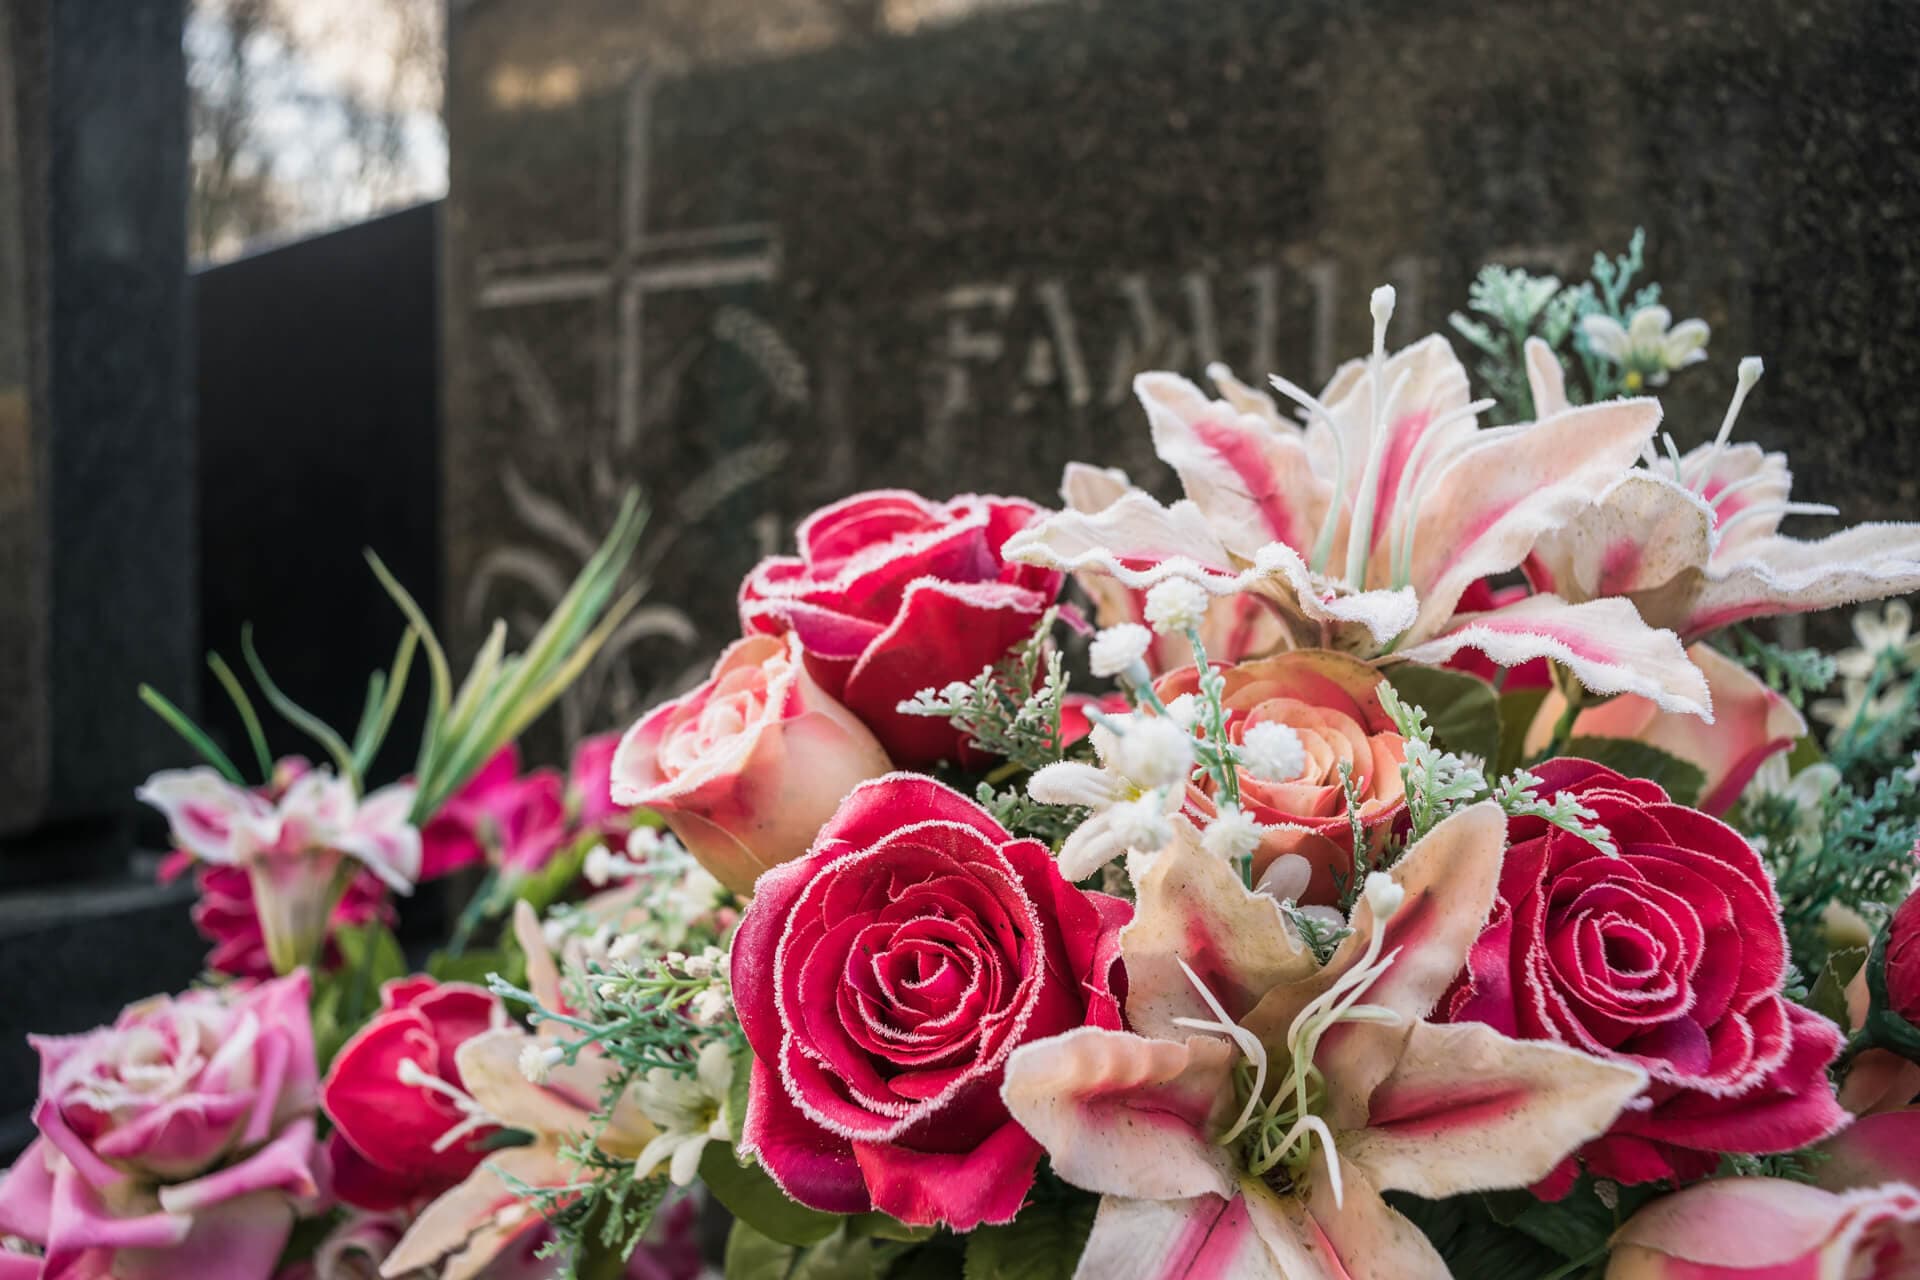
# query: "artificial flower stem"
478,908
1574,694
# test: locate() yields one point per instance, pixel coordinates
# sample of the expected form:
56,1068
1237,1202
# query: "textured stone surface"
785,250
96,456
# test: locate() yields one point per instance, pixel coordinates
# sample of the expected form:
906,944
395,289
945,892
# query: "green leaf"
372,954
752,1197
843,1257
1472,1239
474,966
550,883
752,1256
738,1090
1805,752
1682,779
1461,708
1518,710
880,1226
1574,1227
1043,1243
195,736
1828,995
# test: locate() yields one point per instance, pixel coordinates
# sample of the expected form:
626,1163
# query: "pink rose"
892,594
177,1142
1669,956
590,787
401,1134
882,981
1771,1229
746,767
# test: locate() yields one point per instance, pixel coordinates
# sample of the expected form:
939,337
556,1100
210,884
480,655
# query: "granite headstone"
757,255
96,449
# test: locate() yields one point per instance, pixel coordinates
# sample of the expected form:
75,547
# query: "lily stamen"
474,1116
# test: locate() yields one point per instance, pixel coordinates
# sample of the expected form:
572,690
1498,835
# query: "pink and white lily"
295,850
1694,541
460,1234
1249,1123
1362,529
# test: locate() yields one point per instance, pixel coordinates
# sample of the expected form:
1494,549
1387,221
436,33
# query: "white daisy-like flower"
1154,752
1116,648
1184,711
689,1112
1176,605
647,842
1141,824
1273,752
1232,834
1888,630
711,1006
1650,347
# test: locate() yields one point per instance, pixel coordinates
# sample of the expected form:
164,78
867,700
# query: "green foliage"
1514,305
1440,783
1793,672
1021,814
755,1199
1472,1242
1011,709
1682,779
599,1217
1828,995
477,966
1043,1243
504,693
344,1000
844,1255
1518,710
1854,849
1464,710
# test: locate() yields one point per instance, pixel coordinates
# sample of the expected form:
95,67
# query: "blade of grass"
195,736
364,753
295,714
248,716
441,687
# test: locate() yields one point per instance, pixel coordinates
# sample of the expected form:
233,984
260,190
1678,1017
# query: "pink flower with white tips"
1363,529
296,848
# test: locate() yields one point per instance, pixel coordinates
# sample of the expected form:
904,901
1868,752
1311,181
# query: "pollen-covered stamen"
1360,534
1248,1043
1750,370
474,1116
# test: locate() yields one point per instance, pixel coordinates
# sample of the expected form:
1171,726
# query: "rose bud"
747,767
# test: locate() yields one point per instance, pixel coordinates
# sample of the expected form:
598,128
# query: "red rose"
891,594
1669,956
401,1131
883,979
1903,960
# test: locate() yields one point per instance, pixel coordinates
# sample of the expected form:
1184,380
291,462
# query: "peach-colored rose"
747,767
1332,702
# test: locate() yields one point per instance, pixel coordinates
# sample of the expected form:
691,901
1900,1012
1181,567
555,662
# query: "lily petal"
1313,1237
1255,484
1204,1238
1545,379
1497,497
1468,1109
1779,574
1134,539
1449,879
460,1233
1644,531
1192,908
1124,1115
1603,642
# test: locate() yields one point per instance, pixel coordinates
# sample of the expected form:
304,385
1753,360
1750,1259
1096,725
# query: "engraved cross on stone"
639,263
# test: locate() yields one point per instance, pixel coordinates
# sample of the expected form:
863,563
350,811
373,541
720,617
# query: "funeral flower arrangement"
1399,855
